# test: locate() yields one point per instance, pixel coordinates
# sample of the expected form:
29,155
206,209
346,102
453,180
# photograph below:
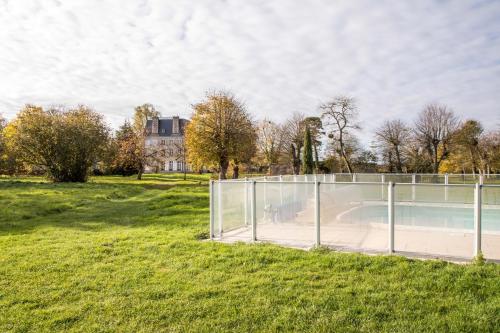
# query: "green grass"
117,254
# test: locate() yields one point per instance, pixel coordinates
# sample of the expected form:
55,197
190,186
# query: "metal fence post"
281,190
295,193
246,200
317,213
481,179
219,196
477,219
265,191
413,181
446,187
382,187
212,212
254,211
390,210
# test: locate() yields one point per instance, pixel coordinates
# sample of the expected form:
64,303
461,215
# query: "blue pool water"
426,216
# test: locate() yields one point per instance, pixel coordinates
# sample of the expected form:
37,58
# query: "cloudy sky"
277,56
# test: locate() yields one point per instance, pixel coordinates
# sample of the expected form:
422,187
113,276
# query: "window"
170,165
163,130
179,166
162,142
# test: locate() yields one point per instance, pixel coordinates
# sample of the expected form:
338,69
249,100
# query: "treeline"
436,142
67,144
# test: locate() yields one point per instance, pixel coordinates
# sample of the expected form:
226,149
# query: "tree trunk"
435,160
224,164
316,161
236,171
295,160
346,160
140,172
399,165
473,160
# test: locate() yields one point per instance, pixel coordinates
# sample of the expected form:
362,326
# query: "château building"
165,135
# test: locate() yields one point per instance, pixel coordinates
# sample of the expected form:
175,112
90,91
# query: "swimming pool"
424,216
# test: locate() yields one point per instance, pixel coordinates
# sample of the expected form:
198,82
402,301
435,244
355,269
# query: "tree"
220,131
293,139
392,137
144,154
467,140
64,143
127,159
434,130
365,161
3,149
270,143
489,151
308,152
341,116
315,125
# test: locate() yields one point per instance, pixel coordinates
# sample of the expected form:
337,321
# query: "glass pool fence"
435,215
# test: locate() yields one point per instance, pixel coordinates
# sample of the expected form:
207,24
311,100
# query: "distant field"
117,254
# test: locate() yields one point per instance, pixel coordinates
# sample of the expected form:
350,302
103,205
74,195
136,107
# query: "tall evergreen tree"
308,152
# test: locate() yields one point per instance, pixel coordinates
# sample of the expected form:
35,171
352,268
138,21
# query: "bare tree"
341,117
392,136
293,139
434,130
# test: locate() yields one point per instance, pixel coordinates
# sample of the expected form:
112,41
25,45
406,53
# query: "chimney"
154,127
175,125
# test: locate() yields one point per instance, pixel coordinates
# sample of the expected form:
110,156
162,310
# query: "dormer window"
175,125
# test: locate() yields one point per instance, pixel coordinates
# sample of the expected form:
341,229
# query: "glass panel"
462,179
285,213
232,208
343,177
216,206
491,179
369,177
490,222
434,219
354,216
398,178
430,179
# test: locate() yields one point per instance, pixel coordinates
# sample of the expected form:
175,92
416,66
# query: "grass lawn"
117,254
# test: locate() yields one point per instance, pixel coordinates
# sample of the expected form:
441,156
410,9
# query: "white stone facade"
166,139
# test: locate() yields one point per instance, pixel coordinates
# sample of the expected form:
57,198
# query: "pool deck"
448,244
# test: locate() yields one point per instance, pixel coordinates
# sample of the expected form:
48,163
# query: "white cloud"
278,56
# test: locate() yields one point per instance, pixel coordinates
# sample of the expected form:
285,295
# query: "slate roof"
165,126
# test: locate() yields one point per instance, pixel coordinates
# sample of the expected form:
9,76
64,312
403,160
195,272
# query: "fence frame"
477,204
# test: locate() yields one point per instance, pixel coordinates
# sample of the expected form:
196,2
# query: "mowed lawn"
120,255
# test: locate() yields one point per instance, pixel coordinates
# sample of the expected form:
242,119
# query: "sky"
277,56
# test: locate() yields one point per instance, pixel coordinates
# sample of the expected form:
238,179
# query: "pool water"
426,216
